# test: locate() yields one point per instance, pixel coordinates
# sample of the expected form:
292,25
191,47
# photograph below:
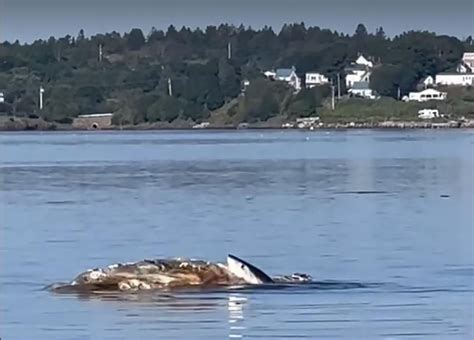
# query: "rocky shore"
30,124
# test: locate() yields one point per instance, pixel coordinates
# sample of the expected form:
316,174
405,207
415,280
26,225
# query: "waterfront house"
362,89
427,81
361,60
287,75
426,95
93,121
314,79
467,63
459,79
2,97
358,71
464,75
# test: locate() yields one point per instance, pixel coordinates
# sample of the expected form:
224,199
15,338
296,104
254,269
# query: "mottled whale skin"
172,273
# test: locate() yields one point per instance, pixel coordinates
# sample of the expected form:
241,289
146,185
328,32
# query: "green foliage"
229,80
135,39
60,104
264,99
5,108
384,80
132,77
308,101
166,109
365,110
361,31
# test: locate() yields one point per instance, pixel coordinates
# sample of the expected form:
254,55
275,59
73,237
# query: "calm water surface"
383,220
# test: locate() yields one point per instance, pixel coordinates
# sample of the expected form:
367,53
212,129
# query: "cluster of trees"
132,74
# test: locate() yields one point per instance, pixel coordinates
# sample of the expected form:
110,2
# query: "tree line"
187,74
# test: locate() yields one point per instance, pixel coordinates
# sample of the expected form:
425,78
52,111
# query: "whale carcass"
173,273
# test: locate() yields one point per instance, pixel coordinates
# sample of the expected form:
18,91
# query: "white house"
286,74
357,75
363,61
428,81
313,79
358,71
2,98
467,63
461,79
426,95
362,89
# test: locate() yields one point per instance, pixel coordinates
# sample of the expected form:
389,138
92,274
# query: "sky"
28,20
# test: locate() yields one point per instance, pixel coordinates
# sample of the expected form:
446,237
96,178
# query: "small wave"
362,192
60,202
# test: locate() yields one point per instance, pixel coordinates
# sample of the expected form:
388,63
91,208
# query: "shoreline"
28,124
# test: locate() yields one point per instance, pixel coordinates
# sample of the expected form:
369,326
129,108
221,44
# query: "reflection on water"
381,220
236,315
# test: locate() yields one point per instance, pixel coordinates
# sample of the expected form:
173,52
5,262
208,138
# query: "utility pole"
41,91
338,86
332,97
170,90
229,50
100,53
398,93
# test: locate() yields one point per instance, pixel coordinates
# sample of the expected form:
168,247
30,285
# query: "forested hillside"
132,74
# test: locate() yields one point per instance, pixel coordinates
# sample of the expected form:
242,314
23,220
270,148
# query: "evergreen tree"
361,31
135,39
380,33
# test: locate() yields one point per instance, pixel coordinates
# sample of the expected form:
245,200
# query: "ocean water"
382,220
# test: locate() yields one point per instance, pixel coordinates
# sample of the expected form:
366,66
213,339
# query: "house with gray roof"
362,89
286,74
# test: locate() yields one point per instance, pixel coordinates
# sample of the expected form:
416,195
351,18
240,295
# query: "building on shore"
426,95
94,121
467,63
358,71
459,79
314,79
426,82
362,89
287,75
2,97
463,76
